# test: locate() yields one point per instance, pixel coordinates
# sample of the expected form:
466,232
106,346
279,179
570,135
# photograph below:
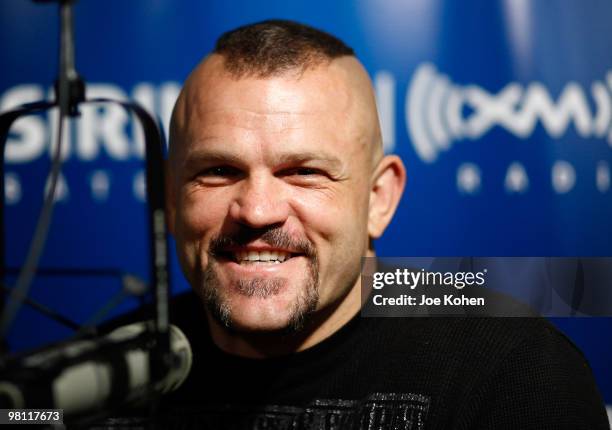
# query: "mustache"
274,236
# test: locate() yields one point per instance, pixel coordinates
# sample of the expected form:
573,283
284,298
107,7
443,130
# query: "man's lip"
241,270
233,253
259,248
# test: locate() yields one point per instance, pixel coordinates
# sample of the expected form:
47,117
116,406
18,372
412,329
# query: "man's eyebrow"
303,157
197,158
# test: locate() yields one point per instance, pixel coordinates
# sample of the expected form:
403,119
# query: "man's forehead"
285,139
211,122
333,98
322,90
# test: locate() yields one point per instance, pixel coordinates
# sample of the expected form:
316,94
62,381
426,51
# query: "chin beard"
210,288
221,310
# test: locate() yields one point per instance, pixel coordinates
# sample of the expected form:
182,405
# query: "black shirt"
391,373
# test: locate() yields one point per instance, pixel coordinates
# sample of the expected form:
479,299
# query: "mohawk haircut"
273,47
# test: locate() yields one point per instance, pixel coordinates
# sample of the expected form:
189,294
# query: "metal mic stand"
70,93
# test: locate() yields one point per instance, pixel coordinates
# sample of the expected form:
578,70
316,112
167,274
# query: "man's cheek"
188,259
198,217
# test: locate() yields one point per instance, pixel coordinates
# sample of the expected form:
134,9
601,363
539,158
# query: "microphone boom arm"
70,93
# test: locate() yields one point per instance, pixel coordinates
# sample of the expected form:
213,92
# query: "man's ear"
170,197
385,193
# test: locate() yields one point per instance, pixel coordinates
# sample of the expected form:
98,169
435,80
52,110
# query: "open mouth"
258,257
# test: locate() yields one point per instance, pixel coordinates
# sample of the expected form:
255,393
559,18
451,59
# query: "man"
277,187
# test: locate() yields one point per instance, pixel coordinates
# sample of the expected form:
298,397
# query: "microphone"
87,376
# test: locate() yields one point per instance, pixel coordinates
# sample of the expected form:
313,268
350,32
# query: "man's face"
269,191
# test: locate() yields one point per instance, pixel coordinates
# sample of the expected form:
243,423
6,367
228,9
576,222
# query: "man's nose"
260,202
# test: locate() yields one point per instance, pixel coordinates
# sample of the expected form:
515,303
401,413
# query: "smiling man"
277,187
277,184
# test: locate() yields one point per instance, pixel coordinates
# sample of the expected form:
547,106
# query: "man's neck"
321,325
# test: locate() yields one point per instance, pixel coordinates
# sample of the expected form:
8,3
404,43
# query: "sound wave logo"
435,111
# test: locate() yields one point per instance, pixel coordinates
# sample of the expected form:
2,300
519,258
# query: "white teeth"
263,256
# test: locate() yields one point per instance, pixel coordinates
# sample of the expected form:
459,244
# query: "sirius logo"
102,129
435,111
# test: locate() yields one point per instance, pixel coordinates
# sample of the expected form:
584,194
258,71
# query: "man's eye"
217,175
224,171
304,171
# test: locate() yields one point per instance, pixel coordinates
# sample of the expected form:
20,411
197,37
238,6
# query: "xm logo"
436,111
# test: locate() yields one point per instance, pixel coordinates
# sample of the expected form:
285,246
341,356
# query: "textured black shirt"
392,373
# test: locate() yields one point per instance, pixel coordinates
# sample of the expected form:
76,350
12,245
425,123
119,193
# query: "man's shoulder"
482,364
481,345
498,335
477,349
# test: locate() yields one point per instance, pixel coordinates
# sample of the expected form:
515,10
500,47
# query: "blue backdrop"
501,110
